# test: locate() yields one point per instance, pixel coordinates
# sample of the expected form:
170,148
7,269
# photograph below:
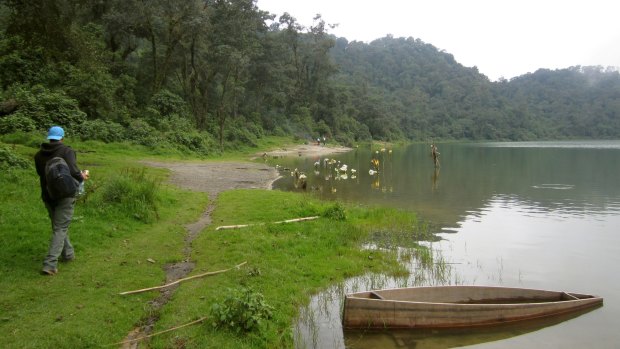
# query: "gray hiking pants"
60,214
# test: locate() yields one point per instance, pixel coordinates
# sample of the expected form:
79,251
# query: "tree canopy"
211,74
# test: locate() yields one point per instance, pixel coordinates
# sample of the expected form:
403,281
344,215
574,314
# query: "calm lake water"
529,214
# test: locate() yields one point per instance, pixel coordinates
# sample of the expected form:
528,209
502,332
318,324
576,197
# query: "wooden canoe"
457,306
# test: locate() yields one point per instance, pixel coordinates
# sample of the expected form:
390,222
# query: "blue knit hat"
55,133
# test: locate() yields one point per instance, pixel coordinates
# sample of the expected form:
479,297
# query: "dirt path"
212,178
308,150
215,177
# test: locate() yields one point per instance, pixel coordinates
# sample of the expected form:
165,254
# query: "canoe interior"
471,295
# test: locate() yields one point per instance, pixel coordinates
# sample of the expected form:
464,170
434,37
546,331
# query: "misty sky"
503,38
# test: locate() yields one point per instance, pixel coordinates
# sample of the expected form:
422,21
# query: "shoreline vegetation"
135,226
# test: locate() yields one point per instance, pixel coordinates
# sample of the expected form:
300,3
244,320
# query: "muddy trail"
212,178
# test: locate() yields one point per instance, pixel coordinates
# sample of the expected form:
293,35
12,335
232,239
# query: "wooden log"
181,280
160,332
222,227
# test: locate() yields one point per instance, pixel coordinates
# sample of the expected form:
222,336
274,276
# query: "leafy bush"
199,142
14,123
335,212
255,129
140,132
133,193
9,160
103,130
322,129
242,310
94,89
172,122
168,112
167,103
344,139
45,107
241,133
19,62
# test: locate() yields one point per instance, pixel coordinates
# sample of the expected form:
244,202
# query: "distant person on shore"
435,155
324,140
59,206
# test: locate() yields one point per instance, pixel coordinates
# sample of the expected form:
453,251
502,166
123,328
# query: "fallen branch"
181,280
158,333
280,222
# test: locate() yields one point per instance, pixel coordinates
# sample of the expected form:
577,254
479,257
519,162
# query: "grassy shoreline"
125,244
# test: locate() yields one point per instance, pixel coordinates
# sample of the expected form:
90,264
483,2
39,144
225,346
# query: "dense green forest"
209,75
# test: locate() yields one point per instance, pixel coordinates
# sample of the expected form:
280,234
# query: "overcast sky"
503,38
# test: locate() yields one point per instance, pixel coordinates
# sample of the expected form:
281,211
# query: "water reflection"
589,144
534,214
319,325
574,177
554,186
440,339
435,179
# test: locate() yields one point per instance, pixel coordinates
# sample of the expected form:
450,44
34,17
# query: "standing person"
60,210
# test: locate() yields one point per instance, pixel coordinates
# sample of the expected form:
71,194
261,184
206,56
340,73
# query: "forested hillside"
208,75
419,92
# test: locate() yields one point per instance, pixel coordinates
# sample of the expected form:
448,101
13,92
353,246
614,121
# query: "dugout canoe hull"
457,306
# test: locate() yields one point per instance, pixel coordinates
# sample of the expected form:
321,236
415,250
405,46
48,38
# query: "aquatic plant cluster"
327,170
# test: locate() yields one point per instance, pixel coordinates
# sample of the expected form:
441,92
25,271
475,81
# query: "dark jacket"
48,151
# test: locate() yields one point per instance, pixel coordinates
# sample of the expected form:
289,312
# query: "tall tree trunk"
154,55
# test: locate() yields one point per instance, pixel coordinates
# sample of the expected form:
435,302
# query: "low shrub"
335,212
140,132
345,139
102,130
167,103
45,107
15,123
10,160
199,142
240,136
242,310
133,193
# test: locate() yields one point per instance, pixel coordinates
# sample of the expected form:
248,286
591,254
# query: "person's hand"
85,174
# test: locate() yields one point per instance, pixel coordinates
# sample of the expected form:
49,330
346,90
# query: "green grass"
115,232
287,263
79,307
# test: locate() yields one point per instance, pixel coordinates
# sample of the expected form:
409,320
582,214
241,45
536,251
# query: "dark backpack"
60,183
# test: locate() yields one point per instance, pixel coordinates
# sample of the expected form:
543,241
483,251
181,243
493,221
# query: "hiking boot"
49,271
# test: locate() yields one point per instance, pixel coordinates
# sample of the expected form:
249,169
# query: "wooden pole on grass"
181,280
